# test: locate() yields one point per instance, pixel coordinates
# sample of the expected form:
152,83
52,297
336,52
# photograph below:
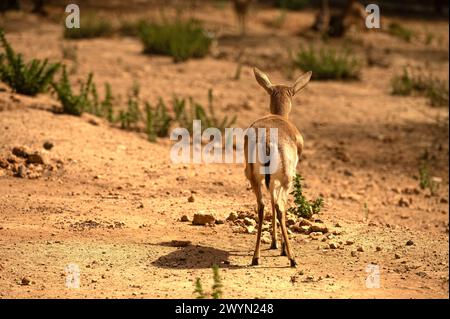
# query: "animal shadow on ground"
189,256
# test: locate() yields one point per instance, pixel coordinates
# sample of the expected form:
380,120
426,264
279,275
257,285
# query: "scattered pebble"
409,243
184,218
191,199
203,218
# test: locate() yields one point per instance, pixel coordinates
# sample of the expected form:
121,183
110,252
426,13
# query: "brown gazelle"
289,148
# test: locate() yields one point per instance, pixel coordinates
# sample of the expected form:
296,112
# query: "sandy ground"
113,206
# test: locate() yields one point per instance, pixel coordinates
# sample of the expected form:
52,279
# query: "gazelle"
289,149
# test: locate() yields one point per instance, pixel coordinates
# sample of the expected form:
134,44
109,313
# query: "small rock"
219,221
319,228
232,217
25,281
21,151
349,242
334,245
397,256
191,199
403,202
184,218
378,248
266,240
249,221
3,163
354,253
360,249
409,243
250,229
305,222
203,218
48,145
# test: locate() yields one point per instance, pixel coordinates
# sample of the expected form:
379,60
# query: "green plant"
180,39
415,81
158,121
199,289
425,180
196,111
303,207
292,4
25,78
74,104
216,288
91,26
327,63
107,104
400,31
132,114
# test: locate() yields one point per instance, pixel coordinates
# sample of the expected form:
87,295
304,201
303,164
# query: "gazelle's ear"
263,80
301,82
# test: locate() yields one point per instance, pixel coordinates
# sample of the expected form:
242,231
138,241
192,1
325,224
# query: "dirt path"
113,206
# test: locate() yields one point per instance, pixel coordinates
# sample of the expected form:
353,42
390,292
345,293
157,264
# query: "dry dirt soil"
112,202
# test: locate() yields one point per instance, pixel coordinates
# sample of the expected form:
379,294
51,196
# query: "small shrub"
425,180
181,40
74,104
417,82
328,64
25,78
400,31
158,121
303,207
107,104
292,4
216,288
91,26
132,114
196,111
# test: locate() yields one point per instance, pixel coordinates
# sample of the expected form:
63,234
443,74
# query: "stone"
409,243
354,253
36,158
378,248
25,281
319,228
232,217
333,245
48,145
203,218
21,151
191,199
349,242
360,249
184,218
249,222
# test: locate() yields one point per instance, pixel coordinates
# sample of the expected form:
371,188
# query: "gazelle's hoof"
293,263
273,245
255,261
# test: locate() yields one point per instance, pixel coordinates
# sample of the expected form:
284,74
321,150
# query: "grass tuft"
328,64
181,40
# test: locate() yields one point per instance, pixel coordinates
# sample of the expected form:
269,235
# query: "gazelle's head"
281,95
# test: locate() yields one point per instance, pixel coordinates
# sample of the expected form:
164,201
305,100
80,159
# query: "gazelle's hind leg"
256,186
274,244
281,214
